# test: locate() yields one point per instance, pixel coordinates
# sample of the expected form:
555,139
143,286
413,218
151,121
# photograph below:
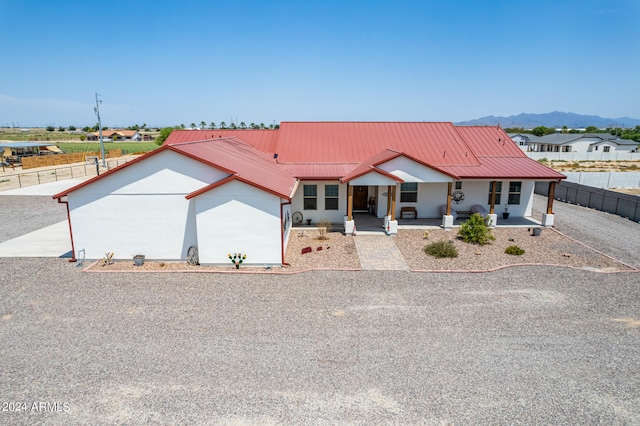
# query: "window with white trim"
515,189
606,148
310,197
331,197
498,193
409,192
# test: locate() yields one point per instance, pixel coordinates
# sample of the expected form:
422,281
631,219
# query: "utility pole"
97,111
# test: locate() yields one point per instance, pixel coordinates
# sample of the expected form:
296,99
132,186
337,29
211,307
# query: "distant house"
241,191
111,135
577,142
522,140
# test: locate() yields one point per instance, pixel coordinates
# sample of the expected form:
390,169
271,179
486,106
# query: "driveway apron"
379,252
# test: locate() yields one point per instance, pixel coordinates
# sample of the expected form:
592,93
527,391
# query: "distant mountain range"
554,119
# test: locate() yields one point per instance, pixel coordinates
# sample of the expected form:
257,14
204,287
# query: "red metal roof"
330,150
264,140
487,141
232,155
244,161
318,171
354,142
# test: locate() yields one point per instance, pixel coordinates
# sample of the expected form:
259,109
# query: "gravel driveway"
525,345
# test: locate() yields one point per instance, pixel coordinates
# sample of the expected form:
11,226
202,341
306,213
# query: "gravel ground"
527,345
614,235
23,214
523,345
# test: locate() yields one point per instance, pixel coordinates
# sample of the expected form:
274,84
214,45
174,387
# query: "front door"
360,194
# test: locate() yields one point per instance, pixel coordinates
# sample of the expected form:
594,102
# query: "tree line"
632,133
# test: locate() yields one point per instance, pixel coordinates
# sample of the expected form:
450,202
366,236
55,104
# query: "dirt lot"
594,166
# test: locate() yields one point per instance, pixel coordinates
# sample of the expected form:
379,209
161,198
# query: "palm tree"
203,125
193,125
242,125
253,125
262,125
223,125
233,125
212,125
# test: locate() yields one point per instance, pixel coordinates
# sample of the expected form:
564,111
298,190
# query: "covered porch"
393,218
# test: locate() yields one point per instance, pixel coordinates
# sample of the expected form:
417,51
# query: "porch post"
389,200
492,207
492,216
393,203
550,195
349,202
548,217
449,188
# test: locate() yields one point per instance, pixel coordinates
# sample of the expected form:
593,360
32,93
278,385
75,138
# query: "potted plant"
138,259
505,214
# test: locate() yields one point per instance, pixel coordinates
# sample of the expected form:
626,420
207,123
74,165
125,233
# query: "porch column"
548,217
447,219
550,195
389,200
492,208
349,202
393,203
492,216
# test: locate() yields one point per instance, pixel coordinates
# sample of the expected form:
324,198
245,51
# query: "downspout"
281,232
73,250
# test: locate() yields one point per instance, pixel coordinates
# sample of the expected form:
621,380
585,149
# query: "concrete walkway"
379,253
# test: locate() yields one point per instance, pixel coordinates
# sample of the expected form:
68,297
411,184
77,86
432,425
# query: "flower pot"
537,232
138,260
505,215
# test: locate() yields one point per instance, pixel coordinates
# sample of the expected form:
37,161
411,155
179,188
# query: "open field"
593,166
129,147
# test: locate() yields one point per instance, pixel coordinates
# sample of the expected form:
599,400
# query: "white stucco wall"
335,216
140,209
410,171
239,218
432,195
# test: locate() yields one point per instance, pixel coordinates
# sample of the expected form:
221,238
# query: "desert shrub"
514,250
441,249
324,226
476,230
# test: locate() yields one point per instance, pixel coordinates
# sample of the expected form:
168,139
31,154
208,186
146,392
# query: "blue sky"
167,63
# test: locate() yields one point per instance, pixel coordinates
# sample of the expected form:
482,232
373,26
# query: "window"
331,197
556,148
595,149
606,148
458,185
310,197
409,192
514,192
498,193
549,148
566,149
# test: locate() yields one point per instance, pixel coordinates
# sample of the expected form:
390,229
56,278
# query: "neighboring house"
522,140
116,135
228,191
580,143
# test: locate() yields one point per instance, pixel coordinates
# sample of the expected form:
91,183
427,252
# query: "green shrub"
441,249
476,230
514,250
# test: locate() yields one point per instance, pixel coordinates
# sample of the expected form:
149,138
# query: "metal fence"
625,205
20,180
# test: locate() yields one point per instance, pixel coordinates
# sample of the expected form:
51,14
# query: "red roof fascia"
238,178
372,169
507,168
109,172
